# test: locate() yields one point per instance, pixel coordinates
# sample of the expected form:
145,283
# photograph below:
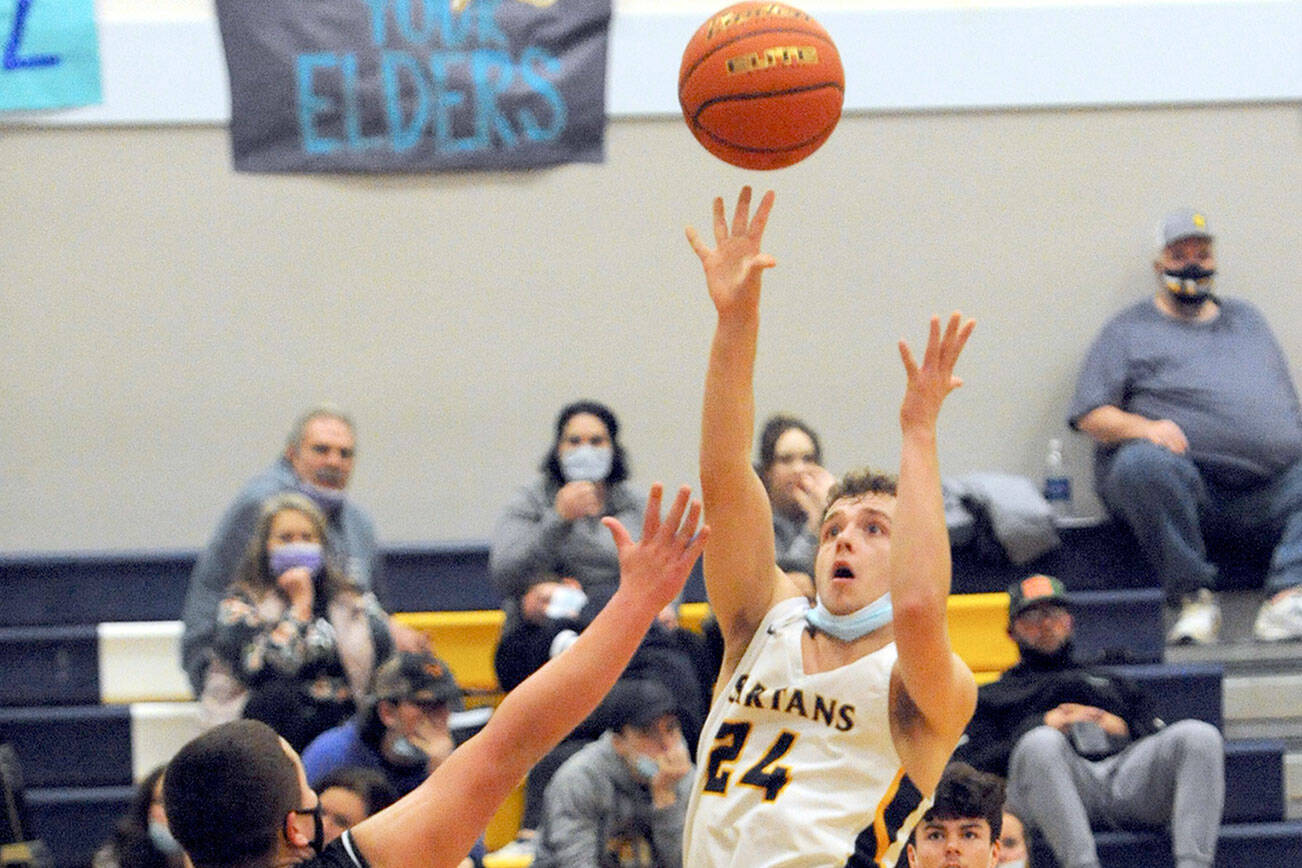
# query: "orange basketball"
761,85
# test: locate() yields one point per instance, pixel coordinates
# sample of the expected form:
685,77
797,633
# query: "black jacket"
1015,704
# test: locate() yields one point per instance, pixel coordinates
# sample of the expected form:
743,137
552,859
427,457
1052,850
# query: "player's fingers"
688,526
694,239
617,532
720,220
741,216
906,356
651,518
676,509
762,214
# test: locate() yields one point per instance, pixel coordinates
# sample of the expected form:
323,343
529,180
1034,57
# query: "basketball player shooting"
830,725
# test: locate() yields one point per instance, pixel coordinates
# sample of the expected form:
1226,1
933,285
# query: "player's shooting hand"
734,265
655,568
930,382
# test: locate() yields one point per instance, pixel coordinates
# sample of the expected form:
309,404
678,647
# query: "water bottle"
1057,481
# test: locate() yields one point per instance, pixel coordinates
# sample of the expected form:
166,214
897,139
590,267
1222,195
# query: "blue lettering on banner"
417,84
12,59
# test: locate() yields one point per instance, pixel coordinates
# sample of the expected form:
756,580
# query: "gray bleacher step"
1273,696
1293,785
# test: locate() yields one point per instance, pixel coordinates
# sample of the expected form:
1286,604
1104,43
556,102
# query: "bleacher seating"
93,698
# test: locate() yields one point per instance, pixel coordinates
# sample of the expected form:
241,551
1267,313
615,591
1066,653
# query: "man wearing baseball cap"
1197,430
1082,745
402,730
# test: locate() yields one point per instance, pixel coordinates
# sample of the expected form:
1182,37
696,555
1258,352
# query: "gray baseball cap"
1182,224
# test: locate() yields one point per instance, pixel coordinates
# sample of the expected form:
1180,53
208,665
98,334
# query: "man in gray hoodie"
620,802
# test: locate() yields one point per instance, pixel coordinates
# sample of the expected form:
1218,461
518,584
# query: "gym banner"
50,54
414,85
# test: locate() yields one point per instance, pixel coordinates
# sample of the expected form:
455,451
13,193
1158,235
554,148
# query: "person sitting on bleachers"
553,524
402,730
317,462
669,653
141,838
1013,850
791,467
299,641
622,799
1082,745
349,795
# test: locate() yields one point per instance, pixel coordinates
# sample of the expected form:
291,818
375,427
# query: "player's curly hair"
857,483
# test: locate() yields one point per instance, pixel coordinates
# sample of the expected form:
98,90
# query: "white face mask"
587,463
859,623
1019,863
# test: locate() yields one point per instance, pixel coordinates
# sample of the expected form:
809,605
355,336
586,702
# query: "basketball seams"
746,94
755,149
807,88
820,34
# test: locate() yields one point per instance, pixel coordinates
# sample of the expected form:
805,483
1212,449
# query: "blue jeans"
1172,509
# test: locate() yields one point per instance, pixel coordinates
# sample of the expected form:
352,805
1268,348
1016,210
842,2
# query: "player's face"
1044,628
854,550
963,843
793,457
1012,840
324,456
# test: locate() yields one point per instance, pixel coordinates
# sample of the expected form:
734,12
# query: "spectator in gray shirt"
1198,431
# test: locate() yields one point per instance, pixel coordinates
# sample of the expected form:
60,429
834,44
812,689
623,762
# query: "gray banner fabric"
414,85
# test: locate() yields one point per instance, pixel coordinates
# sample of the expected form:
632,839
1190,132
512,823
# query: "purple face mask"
299,554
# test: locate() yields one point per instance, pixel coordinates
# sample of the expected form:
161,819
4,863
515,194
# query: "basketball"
761,85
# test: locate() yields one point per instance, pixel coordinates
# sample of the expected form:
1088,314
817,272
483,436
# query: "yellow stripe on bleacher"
466,640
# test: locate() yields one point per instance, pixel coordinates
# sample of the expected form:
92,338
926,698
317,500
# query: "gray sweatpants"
1175,777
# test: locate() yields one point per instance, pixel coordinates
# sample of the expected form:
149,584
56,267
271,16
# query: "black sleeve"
340,853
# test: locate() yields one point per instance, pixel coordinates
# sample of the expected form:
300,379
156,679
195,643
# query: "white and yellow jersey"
798,769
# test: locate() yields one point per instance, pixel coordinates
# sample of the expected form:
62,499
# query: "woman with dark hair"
299,642
141,838
791,468
550,535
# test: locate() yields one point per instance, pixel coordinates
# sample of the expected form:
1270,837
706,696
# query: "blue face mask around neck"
855,625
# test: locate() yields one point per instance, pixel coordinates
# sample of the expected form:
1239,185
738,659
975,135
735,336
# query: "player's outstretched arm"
740,572
938,683
438,822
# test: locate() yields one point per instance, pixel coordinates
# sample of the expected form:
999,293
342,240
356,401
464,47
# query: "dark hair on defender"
227,795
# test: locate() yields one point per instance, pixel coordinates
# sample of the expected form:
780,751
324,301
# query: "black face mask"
318,827
1190,285
1039,660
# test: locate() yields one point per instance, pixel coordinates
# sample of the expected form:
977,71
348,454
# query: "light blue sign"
49,54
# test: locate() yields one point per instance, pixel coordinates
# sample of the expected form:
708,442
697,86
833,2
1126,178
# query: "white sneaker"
1199,622
1280,617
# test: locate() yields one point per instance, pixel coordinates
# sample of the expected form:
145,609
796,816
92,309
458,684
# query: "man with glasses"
1082,745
